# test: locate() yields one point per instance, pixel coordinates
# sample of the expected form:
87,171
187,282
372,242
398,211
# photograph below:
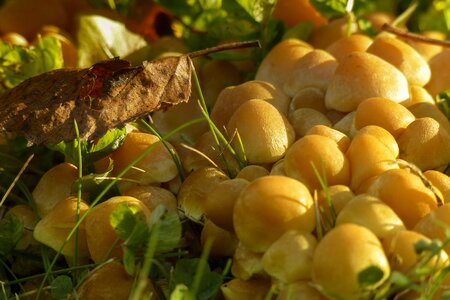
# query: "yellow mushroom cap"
362,75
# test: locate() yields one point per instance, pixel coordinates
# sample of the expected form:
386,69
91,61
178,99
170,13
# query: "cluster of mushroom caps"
352,111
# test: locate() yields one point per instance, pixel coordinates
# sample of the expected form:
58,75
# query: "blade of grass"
217,134
25,165
79,187
200,267
173,154
148,260
200,153
57,272
324,185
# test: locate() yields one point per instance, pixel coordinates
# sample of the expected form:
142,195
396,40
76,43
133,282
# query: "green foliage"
181,292
186,270
122,6
18,63
207,23
366,27
330,8
91,151
11,231
61,287
301,31
100,38
443,102
370,276
170,229
131,226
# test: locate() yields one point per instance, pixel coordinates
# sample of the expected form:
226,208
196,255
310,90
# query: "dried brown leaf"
108,94
104,96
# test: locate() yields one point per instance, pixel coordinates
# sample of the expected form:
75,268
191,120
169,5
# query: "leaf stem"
414,36
224,47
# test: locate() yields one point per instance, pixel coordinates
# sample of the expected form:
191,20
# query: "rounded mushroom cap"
53,229
440,73
278,64
434,225
289,259
342,140
372,213
329,33
220,202
441,181
303,119
223,242
268,207
425,143
158,166
418,94
152,196
311,97
401,250
428,50
404,57
252,172
300,290
207,154
195,189
314,69
54,186
265,133
110,281
231,98
385,113
245,289
322,153
166,121
363,75
304,12
216,75
348,44
405,193
342,254
370,154
100,234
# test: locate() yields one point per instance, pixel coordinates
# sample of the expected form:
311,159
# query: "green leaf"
11,231
443,102
94,183
91,152
109,142
18,63
122,6
61,287
100,38
181,292
301,31
5,291
366,27
170,232
129,260
370,276
427,246
330,8
125,218
400,279
259,10
185,271
445,295
130,226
